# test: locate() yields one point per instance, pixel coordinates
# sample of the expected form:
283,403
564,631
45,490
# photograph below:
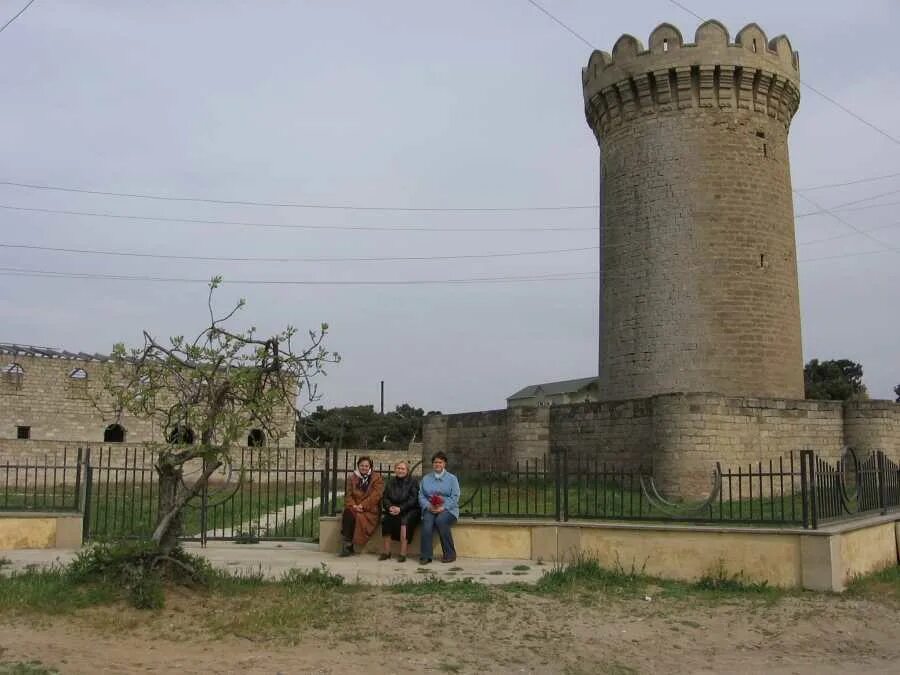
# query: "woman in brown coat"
362,506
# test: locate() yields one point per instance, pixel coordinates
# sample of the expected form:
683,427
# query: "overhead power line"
564,26
360,207
846,183
843,209
18,14
288,226
867,235
560,276
821,93
296,205
844,205
846,235
571,30
197,258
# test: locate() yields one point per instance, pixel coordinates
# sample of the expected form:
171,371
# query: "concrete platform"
275,559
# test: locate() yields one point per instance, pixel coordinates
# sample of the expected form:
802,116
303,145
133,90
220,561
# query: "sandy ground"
377,630
386,632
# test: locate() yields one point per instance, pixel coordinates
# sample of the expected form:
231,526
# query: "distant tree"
361,427
835,380
220,384
897,392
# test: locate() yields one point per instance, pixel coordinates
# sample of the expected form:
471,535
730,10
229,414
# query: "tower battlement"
752,73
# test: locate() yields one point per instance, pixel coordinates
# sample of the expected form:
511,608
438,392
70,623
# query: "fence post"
557,494
880,478
86,499
565,484
78,468
804,489
204,504
334,474
812,487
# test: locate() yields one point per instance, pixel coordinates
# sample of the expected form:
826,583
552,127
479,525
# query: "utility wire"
811,88
694,14
160,256
846,183
882,244
294,205
560,276
568,28
20,13
284,259
844,205
362,207
843,209
283,226
845,236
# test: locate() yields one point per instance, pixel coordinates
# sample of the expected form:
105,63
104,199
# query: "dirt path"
391,632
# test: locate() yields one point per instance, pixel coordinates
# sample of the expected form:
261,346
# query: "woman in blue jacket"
439,500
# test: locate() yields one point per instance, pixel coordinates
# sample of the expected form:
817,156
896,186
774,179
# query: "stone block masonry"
48,398
680,437
699,286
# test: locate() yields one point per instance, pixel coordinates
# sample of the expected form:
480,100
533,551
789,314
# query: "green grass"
51,591
883,586
130,510
26,668
498,496
463,589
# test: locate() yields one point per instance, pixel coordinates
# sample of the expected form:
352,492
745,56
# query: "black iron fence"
281,494
48,483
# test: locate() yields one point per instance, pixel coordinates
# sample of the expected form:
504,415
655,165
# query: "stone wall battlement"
751,73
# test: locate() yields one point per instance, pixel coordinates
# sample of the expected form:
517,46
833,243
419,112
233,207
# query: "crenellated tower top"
751,73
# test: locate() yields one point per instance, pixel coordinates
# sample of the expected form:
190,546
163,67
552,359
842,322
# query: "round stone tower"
698,261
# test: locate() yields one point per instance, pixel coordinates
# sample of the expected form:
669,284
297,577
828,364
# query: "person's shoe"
448,559
346,550
384,556
401,558
424,561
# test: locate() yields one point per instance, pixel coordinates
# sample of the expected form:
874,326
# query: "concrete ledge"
824,560
29,530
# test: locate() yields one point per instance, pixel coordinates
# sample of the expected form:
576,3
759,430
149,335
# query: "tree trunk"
170,479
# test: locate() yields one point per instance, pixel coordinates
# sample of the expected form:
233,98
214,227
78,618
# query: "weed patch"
50,591
461,589
26,668
719,579
881,586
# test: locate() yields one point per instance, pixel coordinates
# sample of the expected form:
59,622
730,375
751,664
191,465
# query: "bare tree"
219,385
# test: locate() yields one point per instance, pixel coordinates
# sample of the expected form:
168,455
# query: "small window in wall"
114,433
77,382
13,374
256,438
23,433
180,435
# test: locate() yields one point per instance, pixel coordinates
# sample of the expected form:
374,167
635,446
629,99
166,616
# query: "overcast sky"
413,104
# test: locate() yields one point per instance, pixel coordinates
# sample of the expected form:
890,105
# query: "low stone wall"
39,530
679,436
823,560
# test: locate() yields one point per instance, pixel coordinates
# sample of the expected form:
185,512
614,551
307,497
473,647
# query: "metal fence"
280,494
49,483
799,489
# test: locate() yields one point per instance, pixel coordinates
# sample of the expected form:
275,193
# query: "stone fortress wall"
50,396
700,342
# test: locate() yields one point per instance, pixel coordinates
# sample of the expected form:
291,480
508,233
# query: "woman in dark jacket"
400,511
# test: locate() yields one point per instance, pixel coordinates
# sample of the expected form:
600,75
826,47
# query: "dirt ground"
379,631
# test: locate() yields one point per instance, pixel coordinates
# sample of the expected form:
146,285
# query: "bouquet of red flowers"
436,500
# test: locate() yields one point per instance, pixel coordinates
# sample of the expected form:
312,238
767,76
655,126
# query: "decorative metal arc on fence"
280,494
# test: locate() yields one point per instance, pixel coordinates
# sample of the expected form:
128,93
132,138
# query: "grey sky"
418,104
